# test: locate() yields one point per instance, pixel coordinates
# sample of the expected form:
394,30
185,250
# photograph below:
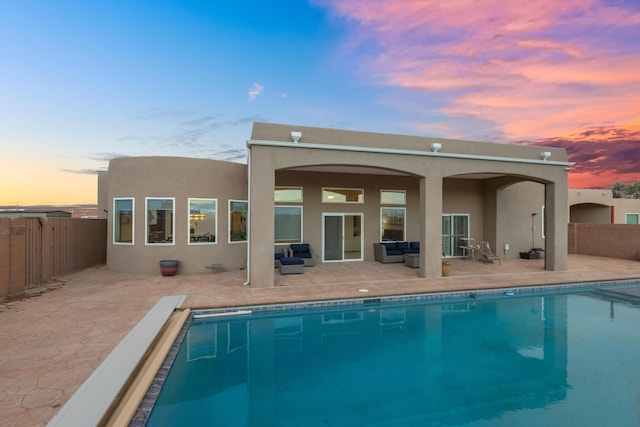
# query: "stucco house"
598,206
340,191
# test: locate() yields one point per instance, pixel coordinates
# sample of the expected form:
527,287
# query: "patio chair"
304,251
487,256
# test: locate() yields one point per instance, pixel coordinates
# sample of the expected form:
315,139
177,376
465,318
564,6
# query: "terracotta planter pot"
446,269
169,267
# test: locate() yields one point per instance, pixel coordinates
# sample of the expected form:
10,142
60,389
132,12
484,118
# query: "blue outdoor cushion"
390,246
291,261
278,255
402,246
301,250
415,246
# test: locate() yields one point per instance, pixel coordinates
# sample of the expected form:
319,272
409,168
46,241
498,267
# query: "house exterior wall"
597,206
495,184
180,178
624,206
515,208
460,196
588,213
271,150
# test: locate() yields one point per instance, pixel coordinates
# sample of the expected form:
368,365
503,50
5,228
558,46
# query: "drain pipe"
248,217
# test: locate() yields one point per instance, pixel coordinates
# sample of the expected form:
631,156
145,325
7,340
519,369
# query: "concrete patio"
53,341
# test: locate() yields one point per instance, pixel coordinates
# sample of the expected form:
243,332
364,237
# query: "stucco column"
556,226
430,227
261,221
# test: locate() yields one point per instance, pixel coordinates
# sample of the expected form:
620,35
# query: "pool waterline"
370,302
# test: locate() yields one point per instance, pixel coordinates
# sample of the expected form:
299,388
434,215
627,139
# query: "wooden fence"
35,250
606,240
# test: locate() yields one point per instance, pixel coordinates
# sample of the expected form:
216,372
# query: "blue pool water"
484,360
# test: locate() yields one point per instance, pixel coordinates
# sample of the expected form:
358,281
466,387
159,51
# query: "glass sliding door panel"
333,238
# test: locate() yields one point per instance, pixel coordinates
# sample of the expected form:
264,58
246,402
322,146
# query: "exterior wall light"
544,155
435,147
295,137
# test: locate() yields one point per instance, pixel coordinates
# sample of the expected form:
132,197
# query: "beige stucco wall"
103,196
180,178
623,207
271,152
516,205
597,206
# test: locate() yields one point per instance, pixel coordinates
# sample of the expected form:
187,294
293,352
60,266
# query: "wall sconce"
435,147
295,137
544,155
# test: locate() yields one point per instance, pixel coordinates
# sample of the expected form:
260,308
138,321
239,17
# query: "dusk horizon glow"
83,83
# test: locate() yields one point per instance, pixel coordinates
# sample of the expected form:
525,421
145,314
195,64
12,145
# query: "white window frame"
215,219
301,224
626,217
341,188
133,221
246,223
393,191
146,221
288,187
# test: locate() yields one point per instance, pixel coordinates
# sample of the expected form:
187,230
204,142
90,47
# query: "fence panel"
605,240
35,250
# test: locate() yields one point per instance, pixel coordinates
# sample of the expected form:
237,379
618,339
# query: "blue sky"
82,82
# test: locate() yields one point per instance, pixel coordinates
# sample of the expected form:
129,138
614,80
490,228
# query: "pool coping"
89,404
417,297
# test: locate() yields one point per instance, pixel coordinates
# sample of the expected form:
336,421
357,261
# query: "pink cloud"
552,72
514,64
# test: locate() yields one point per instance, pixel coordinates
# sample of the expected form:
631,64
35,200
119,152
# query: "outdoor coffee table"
412,260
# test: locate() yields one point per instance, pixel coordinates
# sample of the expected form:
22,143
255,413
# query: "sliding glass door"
342,237
455,227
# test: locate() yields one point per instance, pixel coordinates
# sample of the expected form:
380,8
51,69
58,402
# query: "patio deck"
52,342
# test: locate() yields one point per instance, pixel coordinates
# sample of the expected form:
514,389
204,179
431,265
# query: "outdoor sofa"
388,252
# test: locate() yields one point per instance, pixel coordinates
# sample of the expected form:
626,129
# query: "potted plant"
169,267
446,267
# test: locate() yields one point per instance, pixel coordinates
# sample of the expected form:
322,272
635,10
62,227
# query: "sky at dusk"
82,82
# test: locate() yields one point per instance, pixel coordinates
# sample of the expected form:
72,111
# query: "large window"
455,228
632,218
288,224
342,195
392,224
238,220
123,221
203,221
160,217
288,194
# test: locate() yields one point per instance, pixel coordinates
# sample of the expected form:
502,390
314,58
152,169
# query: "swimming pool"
477,360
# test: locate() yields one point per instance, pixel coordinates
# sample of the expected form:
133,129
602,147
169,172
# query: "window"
123,221
392,222
203,221
288,224
160,219
238,220
288,194
342,195
632,218
454,229
393,197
